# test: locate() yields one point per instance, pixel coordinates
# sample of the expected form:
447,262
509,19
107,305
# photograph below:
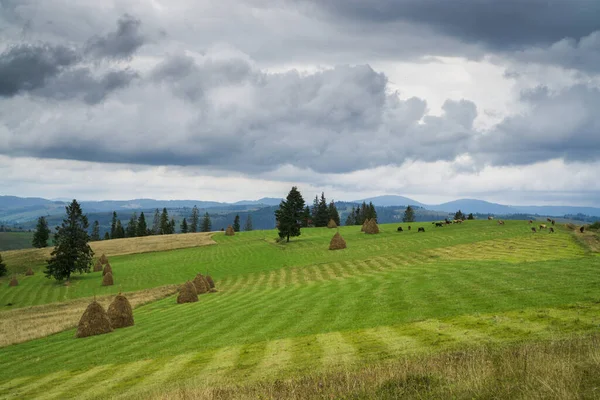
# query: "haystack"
337,242
13,281
229,231
364,225
107,269
98,266
29,272
187,293
201,284
107,280
103,259
372,227
120,313
211,283
94,321
331,224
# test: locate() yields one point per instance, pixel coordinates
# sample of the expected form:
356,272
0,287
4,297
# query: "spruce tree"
164,222
142,228
184,226
306,217
3,270
156,223
95,236
322,212
459,215
72,253
236,223
371,213
409,215
113,226
42,233
194,220
119,230
131,230
289,215
106,236
357,216
171,227
315,210
333,213
248,225
350,218
470,216
206,224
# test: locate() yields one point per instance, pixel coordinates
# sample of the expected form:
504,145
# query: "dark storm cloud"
28,67
505,24
122,43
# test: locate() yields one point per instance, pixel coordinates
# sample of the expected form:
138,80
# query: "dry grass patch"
20,260
25,324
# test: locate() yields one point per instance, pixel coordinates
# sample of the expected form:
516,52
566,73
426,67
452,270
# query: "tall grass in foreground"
566,369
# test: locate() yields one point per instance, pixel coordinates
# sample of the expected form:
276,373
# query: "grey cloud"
28,67
122,43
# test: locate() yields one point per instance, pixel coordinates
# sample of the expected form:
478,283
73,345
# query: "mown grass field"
294,310
15,240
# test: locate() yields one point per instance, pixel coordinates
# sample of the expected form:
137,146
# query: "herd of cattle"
500,222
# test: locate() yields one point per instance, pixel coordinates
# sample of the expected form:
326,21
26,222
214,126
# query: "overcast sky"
241,99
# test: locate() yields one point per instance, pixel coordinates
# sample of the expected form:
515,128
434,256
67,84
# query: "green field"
15,240
297,309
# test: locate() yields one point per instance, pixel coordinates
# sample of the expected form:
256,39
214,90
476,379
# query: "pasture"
297,319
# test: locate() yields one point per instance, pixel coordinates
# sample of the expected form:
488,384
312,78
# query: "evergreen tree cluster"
41,234
358,215
321,213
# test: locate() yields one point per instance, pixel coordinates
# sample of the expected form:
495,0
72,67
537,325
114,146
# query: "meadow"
15,240
297,320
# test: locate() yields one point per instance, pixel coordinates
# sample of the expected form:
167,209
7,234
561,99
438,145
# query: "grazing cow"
542,226
490,218
533,230
581,229
530,222
400,229
448,222
548,219
421,229
409,227
551,230
553,222
439,225
500,222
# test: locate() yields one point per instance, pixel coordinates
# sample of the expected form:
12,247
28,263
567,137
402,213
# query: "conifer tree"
156,223
322,212
315,210
306,217
3,270
119,230
236,223
171,227
95,236
164,222
409,215
113,226
194,220
333,213
142,228
459,215
42,233
350,219
132,230
206,224
289,215
470,216
371,213
106,236
184,226
72,253
248,225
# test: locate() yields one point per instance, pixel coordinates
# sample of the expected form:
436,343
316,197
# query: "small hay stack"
337,242
107,280
201,285
372,227
187,293
98,266
94,321
103,260
107,269
29,272
120,313
331,224
211,282
229,231
364,225
13,281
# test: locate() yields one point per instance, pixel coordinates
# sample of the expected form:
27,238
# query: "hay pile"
107,269
29,272
201,285
94,321
364,225
187,293
103,260
331,224
229,231
337,242
13,281
107,280
372,227
98,266
120,313
211,283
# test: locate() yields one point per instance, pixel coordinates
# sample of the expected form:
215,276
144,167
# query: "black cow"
421,229
581,229
439,224
551,230
533,230
409,227
400,229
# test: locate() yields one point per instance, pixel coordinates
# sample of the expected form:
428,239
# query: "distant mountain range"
15,210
